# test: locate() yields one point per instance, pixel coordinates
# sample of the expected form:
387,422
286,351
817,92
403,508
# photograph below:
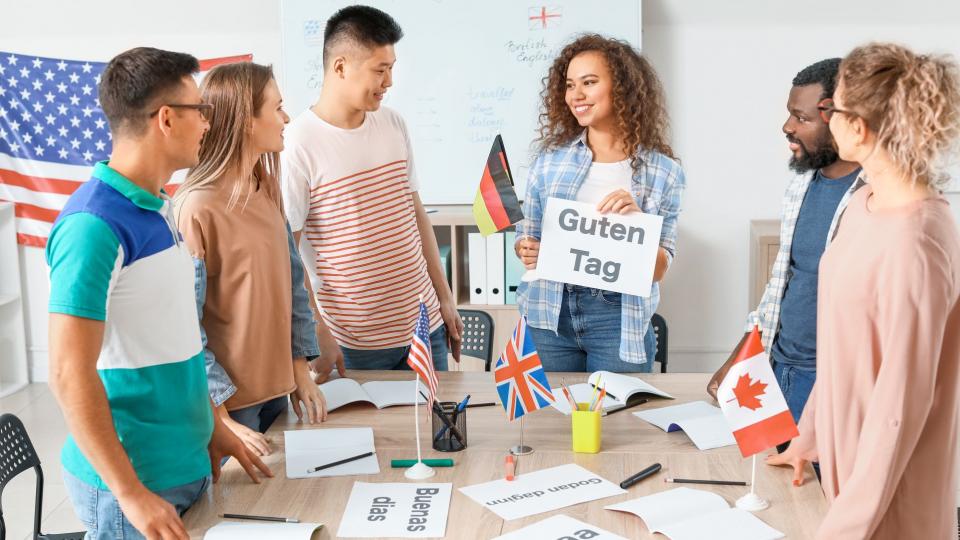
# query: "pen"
446,421
711,482
487,404
632,405
403,463
261,518
341,462
456,413
651,470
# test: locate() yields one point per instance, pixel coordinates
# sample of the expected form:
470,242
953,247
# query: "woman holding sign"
603,141
882,416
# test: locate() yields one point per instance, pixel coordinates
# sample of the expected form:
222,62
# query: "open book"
251,530
339,392
702,422
693,514
622,391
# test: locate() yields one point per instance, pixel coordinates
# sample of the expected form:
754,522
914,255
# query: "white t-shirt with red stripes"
351,193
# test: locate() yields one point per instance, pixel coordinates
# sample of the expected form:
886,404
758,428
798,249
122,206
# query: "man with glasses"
812,206
126,360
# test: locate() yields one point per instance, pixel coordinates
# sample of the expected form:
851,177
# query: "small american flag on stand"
52,132
420,358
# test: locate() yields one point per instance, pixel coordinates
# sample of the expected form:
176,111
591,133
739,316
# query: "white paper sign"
613,252
541,491
307,449
560,528
404,510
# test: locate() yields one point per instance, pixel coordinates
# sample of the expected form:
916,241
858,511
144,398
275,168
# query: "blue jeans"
260,417
796,384
100,512
396,358
588,335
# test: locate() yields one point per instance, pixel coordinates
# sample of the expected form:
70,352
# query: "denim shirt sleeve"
218,382
303,326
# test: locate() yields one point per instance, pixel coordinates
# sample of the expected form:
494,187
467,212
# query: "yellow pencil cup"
586,429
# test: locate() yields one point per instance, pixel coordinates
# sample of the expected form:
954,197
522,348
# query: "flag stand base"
419,471
520,450
752,503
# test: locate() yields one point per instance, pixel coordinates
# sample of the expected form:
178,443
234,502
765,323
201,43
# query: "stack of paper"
693,514
703,423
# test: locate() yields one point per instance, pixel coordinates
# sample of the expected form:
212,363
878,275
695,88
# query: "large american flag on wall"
52,131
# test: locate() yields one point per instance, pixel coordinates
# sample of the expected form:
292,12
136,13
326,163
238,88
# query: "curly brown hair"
638,99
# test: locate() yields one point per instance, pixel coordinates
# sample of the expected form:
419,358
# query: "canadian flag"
752,402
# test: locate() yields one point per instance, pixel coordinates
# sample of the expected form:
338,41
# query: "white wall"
726,67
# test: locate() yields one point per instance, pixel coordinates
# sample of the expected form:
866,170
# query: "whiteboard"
465,71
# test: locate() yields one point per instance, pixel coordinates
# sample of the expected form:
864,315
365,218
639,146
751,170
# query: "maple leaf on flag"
746,392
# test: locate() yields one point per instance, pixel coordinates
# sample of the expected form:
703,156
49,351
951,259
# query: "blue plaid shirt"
657,187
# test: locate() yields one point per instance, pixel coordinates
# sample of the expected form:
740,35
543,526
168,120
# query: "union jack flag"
420,358
521,381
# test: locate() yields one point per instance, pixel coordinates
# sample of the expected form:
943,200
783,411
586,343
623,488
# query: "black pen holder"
445,437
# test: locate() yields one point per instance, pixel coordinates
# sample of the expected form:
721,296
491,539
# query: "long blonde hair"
911,102
236,93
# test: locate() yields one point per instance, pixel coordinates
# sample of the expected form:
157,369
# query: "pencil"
341,462
711,482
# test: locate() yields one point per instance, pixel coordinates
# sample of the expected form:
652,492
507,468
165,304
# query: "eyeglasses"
205,109
827,109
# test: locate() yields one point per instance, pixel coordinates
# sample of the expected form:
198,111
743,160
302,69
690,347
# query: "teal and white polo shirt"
115,256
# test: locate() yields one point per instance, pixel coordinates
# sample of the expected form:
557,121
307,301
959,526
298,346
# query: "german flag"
496,206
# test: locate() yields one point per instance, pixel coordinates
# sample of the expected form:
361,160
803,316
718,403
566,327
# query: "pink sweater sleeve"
806,442
915,293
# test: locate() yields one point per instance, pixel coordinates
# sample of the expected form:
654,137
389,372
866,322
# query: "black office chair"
16,456
477,335
660,329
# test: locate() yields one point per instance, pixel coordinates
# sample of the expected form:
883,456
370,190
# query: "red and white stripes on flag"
420,358
52,131
752,402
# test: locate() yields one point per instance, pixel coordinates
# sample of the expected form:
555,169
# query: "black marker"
649,471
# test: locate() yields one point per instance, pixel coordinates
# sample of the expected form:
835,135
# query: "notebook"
234,530
622,391
703,423
340,392
693,514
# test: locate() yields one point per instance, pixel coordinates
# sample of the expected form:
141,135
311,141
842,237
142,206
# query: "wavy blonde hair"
236,93
639,106
911,102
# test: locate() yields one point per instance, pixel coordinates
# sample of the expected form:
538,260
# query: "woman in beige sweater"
882,417
255,314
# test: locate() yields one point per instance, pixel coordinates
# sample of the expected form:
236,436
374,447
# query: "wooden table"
629,445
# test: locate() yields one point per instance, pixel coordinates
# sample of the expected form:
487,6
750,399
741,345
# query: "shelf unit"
451,224
14,374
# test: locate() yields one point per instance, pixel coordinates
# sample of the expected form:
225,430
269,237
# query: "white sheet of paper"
561,527
251,530
309,448
390,393
672,506
703,423
399,509
730,524
620,385
541,491
619,256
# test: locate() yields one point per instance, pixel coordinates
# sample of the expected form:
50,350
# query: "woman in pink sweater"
882,417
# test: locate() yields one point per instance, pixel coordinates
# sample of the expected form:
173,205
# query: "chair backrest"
17,455
660,329
477,335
